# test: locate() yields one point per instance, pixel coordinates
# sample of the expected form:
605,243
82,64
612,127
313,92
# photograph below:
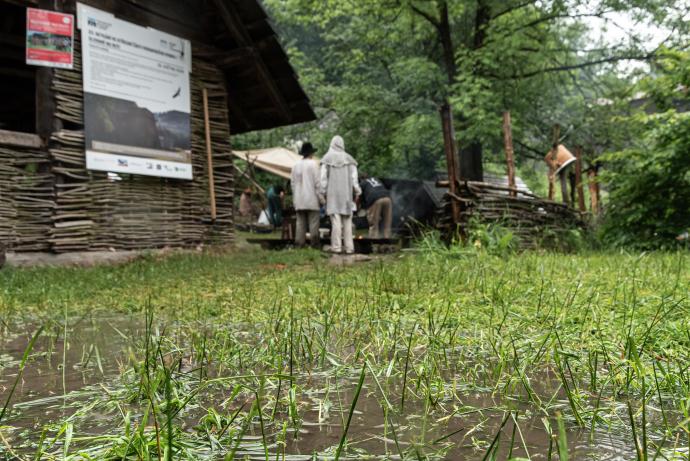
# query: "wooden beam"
137,14
239,32
209,156
23,3
231,20
15,138
238,56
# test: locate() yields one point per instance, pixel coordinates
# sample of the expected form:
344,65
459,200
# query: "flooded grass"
443,354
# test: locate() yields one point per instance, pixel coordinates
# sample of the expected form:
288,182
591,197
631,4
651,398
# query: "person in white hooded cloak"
340,186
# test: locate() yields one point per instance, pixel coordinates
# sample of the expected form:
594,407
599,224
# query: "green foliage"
227,353
493,238
377,72
568,240
649,182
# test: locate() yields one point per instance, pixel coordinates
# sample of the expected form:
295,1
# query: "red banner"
49,38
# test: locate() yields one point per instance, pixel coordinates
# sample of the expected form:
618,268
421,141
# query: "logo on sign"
102,25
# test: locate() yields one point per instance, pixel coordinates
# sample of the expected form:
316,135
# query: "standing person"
247,212
338,184
376,199
305,196
275,196
247,208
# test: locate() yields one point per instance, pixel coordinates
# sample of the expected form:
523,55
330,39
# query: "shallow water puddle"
60,373
63,376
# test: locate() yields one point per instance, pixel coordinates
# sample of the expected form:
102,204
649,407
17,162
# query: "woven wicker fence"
535,221
49,201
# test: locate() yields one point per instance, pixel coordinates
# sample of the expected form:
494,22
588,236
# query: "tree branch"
513,8
552,17
581,65
535,154
426,16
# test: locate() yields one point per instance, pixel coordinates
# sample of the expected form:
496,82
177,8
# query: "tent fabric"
276,160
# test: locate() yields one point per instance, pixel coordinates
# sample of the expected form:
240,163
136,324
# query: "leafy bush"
493,238
649,183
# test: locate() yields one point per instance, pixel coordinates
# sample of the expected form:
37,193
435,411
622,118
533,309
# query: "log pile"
531,219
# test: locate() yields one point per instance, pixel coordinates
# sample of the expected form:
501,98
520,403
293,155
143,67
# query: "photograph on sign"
49,39
137,107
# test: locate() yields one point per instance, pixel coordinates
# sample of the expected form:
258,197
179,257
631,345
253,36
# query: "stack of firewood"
530,218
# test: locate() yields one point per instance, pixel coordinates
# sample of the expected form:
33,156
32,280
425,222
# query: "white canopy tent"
276,160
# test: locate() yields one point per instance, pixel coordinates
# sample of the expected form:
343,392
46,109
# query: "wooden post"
593,190
451,158
554,158
209,156
508,142
563,178
578,180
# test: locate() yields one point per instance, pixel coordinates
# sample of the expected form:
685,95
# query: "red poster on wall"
49,38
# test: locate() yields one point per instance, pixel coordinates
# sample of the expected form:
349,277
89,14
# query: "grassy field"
439,354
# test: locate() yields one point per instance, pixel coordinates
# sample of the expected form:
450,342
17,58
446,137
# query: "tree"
378,70
649,182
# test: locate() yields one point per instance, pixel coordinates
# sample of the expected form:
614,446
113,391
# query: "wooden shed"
50,201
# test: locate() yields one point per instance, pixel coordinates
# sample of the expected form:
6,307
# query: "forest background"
614,74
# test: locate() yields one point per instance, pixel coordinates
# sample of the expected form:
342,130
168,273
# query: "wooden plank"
15,138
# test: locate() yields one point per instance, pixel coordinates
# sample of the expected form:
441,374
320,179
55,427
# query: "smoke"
413,200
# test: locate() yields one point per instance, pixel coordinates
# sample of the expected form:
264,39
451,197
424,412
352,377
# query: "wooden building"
50,201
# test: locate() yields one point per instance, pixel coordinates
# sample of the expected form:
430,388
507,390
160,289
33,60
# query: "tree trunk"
447,43
471,166
508,145
578,180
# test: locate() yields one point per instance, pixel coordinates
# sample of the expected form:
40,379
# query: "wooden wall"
50,201
26,198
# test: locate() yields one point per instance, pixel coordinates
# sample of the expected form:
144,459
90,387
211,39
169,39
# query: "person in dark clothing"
376,199
275,196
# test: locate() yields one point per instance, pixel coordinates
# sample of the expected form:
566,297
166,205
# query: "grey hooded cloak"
339,179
